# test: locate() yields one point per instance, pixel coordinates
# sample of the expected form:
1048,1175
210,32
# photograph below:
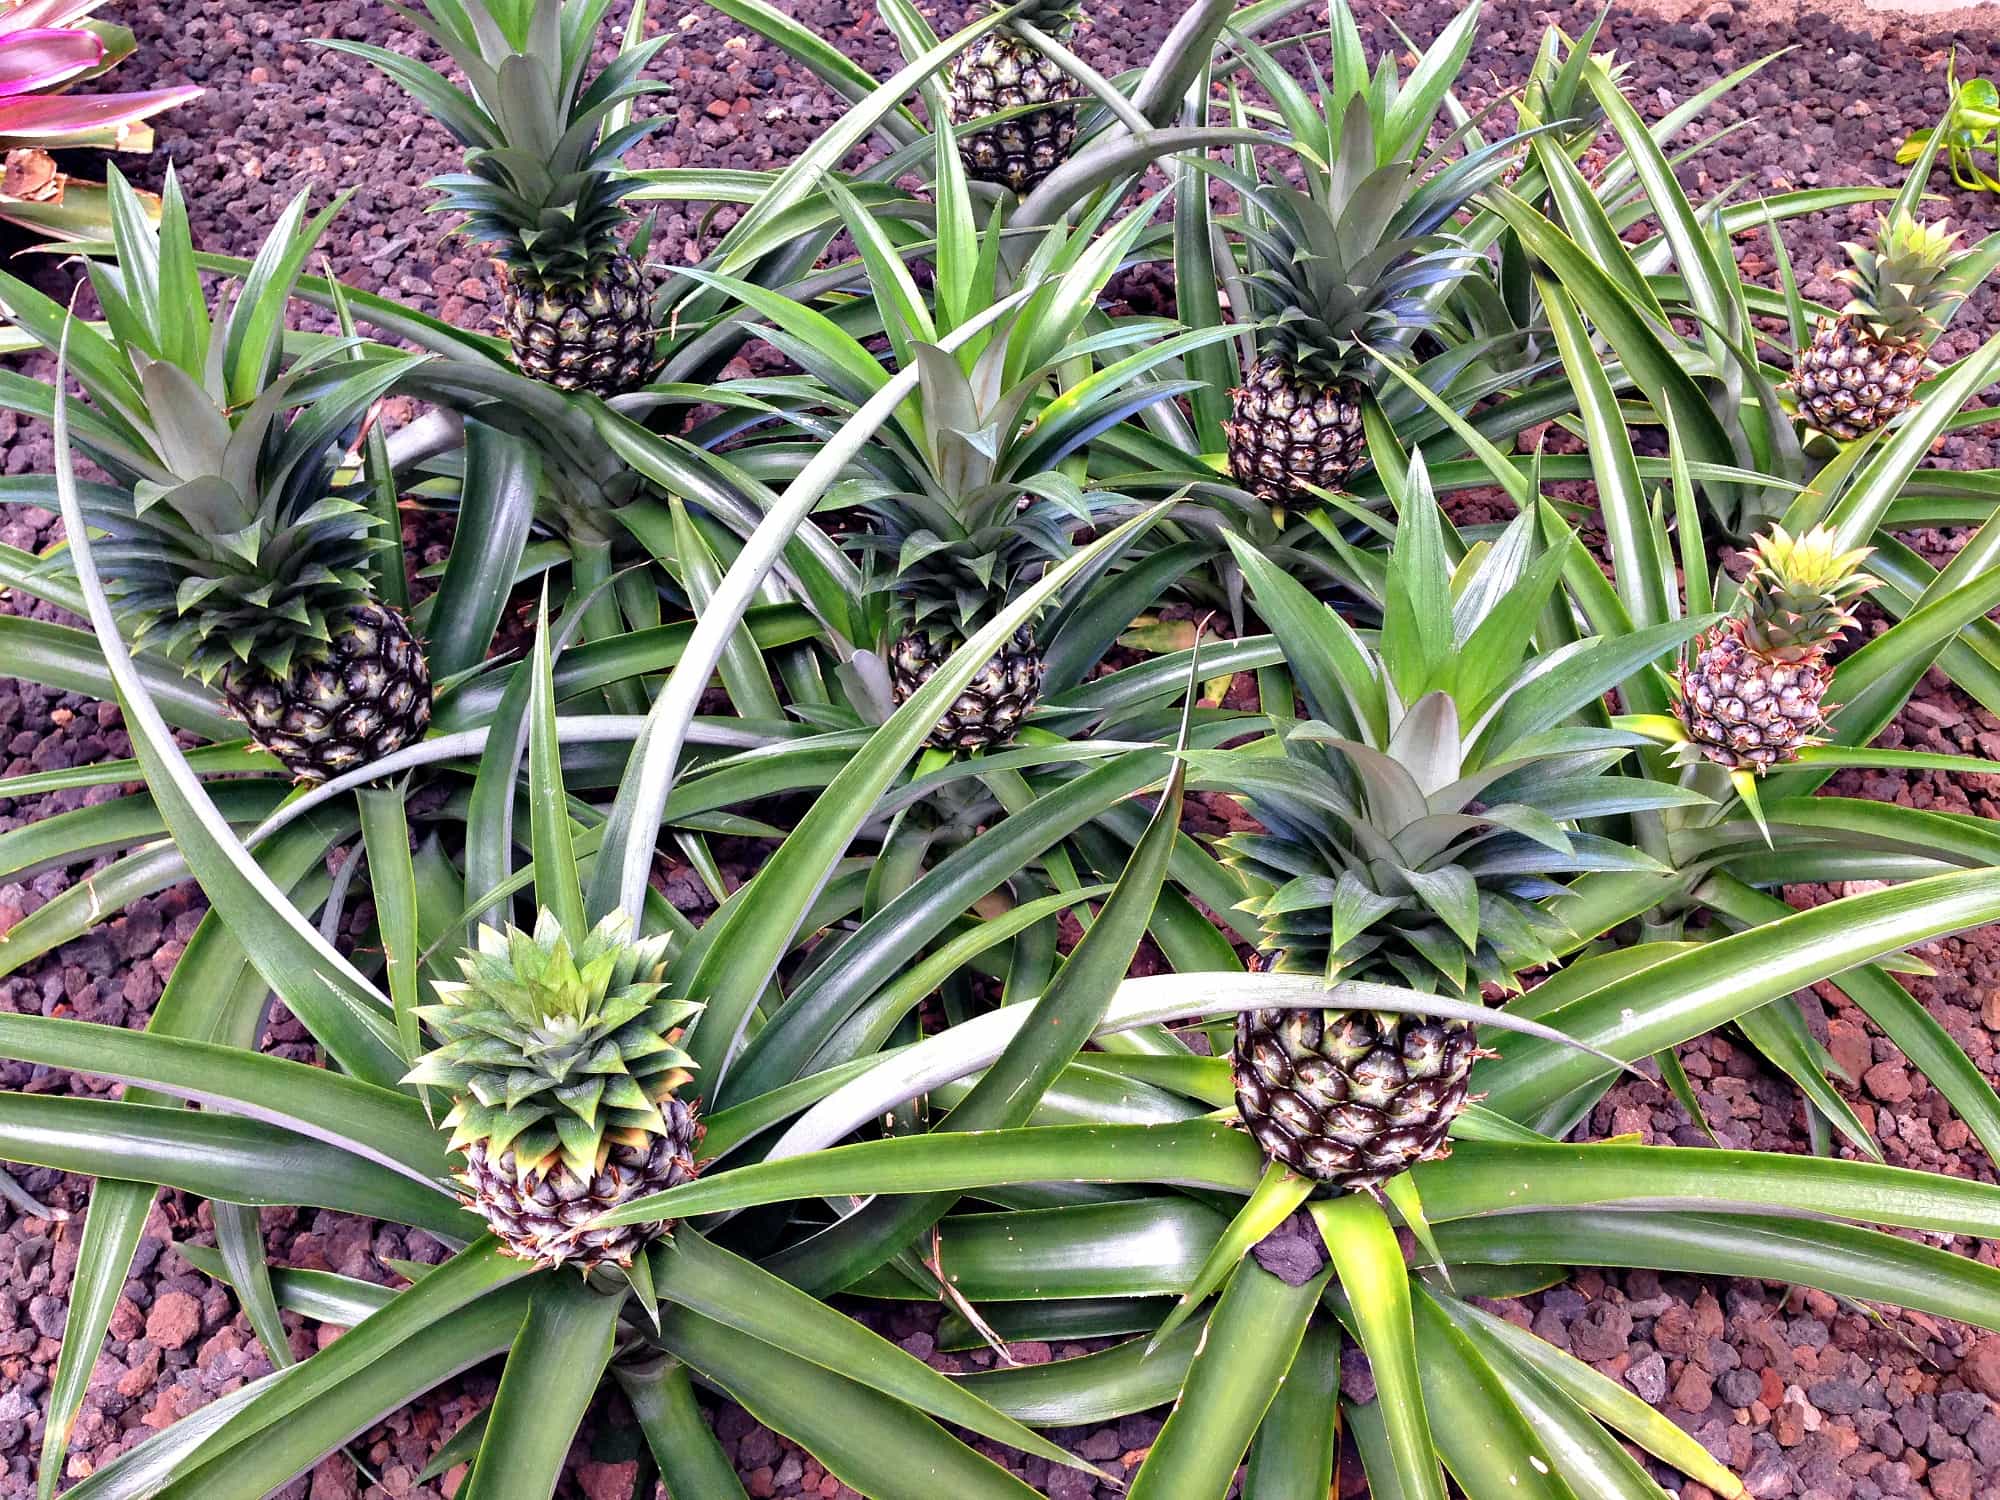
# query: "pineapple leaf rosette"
543,187
559,1053
980,482
1411,830
1348,269
232,544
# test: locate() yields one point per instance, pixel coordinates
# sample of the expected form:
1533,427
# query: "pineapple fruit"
1862,368
1350,1098
1753,694
559,1053
541,186
228,546
1345,274
990,710
1004,71
1403,846
363,695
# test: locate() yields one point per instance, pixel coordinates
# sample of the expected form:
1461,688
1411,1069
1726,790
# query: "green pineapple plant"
234,549
543,187
558,1051
979,482
1004,73
1410,830
1347,273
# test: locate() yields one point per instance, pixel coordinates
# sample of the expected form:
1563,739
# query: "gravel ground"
1801,1394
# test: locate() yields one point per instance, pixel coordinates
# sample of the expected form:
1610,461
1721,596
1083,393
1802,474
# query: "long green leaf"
702,1276
1369,1264
1252,1337
1691,992
550,1377
875,1444
1864,1264
341,1008
496,508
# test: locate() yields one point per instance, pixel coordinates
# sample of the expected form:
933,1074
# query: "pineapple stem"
590,578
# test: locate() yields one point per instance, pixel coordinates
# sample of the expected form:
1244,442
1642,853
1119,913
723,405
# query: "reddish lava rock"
175,1318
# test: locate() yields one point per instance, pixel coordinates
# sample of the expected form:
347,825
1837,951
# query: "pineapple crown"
1414,824
1903,282
1799,592
542,185
970,491
555,1046
1051,17
943,584
1353,268
229,540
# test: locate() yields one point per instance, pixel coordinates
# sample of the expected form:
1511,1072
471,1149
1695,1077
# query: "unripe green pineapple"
992,706
366,695
1753,694
559,1053
1005,71
1862,369
542,187
1401,849
1345,276
1350,1098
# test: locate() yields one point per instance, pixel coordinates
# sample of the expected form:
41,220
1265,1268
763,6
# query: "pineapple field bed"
1804,1396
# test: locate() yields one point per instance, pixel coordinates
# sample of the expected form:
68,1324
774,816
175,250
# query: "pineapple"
944,590
228,546
1345,274
994,703
1753,695
559,1053
1403,846
975,489
1862,369
542,185
1004,71
330,708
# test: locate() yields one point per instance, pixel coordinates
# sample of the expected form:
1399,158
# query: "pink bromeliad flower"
46,48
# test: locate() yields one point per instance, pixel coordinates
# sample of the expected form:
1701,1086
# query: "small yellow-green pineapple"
1753,694
1862,368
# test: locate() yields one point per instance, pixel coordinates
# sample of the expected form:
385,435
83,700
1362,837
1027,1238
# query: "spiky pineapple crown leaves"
1799,592
1903,279
542,186
977,492
1358,261
227,537
1415,822
962,534
554,1046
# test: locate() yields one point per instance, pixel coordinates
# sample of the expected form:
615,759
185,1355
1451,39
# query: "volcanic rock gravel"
1803,1395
